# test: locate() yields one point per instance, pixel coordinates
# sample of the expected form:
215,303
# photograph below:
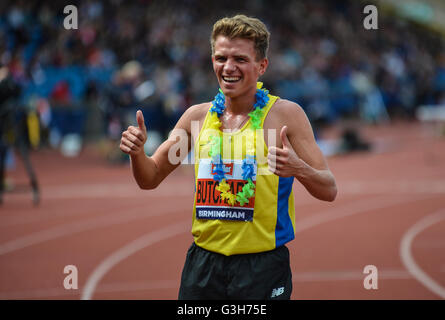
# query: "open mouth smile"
231,79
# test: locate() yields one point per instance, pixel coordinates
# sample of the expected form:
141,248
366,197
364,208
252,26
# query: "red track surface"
93,216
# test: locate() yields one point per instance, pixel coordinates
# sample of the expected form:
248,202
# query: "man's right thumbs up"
133,139
140,119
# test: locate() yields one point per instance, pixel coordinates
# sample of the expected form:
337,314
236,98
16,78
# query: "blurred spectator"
321,58
129,90
15,131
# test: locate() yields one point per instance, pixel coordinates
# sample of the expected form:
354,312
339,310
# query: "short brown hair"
241,26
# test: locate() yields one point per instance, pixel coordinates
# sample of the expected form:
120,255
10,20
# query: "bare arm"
149,172
300,156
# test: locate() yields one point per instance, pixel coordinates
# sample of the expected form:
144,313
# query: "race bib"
209,204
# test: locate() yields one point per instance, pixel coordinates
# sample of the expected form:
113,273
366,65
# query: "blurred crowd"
155,55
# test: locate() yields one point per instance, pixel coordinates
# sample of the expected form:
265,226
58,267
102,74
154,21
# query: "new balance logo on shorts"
277,292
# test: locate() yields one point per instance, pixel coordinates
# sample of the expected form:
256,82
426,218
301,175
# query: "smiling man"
243,212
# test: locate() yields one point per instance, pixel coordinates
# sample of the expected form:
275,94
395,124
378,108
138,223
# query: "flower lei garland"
217,109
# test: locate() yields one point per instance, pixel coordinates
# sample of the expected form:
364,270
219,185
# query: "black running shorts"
256,276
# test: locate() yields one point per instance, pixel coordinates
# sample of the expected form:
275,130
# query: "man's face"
236,67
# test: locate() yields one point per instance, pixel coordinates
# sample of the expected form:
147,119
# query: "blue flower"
248,167
218,104
262,98
218,170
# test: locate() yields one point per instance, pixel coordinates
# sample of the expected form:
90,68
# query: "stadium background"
374,99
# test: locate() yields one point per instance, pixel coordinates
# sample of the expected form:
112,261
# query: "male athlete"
251,145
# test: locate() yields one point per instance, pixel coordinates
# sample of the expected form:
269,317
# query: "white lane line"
104,288
136,213
407,258
106,190
44,215
64,230
356,207
129,190
127,250
329,215
132,286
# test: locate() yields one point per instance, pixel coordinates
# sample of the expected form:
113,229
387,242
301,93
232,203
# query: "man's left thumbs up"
283,161
284,139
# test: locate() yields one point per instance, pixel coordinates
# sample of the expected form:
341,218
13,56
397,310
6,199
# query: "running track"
130,244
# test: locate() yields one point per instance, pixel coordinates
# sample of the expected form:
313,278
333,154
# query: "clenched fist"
133,139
